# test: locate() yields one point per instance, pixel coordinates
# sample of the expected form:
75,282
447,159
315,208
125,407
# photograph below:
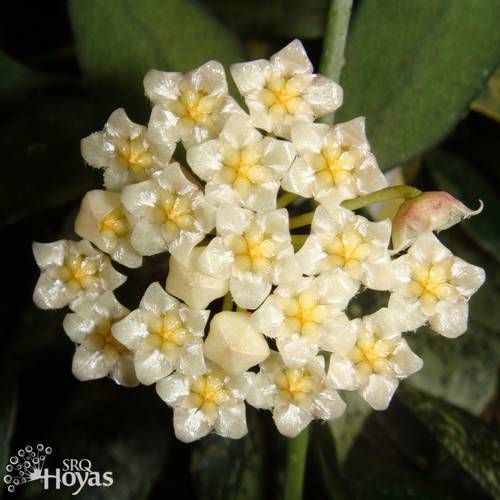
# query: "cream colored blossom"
284,91
171,214
72,272
434,286
98,354
342,240
188,283
210,401
306,315
164,335
233,342
253,250
241,166
333,159
430,211
126,151
296,396
377,362
189,106
103,220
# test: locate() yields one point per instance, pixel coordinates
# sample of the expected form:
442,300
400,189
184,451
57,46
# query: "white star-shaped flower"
189,106
333,159
377,362
164,335
306,315
170,213
103,220
340,239
210,401
435,286
98,353
253,250
72,272
296,396
241,166
284,91
126,151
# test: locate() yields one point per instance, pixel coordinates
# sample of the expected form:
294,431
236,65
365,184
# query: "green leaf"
488,102
462,371
347,428
8,410
274,18
412,68
466,438
16,77
229,469
455,175
118,41
41,153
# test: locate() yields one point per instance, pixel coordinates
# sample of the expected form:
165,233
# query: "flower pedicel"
229,235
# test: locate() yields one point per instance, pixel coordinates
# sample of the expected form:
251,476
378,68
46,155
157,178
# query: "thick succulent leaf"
466,438
457,176
488,102
462,371
118,41
411,73
275,18
41,153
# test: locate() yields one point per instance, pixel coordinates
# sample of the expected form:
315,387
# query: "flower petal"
379,391
231,421
173,389
190,424
90,364
151,365
249,291
451,318
291,419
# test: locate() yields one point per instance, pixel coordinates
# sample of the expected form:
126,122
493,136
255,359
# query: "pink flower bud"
430,211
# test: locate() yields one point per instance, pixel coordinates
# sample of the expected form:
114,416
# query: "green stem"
227,304
386,194
298,240
296,465
332,58
285,199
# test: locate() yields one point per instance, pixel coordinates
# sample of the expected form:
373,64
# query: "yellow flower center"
346,250
175,212
136,153
282,96
242,170
208,392
254,251
115,224
196,106
372,355
335,165
102,339
303,314
431,283
167,331
296,385
78,272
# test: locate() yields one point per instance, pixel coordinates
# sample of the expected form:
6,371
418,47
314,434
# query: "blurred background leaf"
472,444
118,41
412,68
488,102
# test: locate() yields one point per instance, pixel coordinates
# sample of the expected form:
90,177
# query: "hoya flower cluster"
280,339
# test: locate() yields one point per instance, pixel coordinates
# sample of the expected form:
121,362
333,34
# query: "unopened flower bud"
430,211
